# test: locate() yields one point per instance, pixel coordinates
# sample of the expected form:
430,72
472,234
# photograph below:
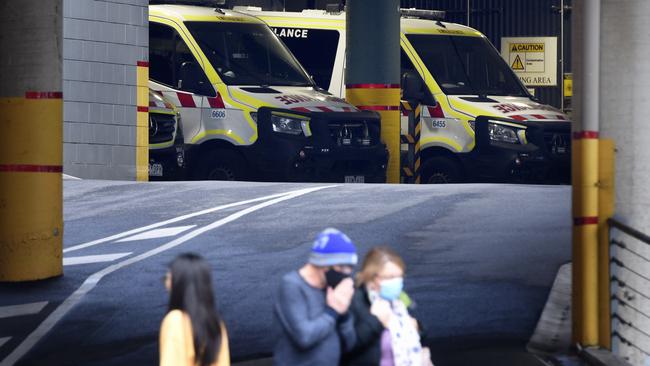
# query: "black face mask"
334,277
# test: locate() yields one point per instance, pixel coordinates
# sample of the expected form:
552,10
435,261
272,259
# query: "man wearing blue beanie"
312,305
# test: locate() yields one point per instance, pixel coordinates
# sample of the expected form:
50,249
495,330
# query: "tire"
439,169
223,164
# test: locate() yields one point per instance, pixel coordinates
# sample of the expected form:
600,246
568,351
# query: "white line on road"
23,309
86,259
4,340
92,281
158,233
170,221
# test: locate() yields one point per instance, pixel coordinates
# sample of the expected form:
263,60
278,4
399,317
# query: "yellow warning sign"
527,47
568,85
533,59
518,65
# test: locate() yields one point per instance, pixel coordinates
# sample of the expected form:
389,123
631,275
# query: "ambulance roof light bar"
335,8
437,15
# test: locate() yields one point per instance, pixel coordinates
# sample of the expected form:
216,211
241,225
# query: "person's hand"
426,357
339,298
382,311
415,323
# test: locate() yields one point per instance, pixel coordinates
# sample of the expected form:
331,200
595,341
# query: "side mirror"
191,80
412,86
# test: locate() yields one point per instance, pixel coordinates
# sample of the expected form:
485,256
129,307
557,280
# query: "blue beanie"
332,248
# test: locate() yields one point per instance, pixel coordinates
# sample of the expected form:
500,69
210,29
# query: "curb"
601,357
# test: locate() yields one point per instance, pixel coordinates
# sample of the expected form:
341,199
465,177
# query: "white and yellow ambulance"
166,146
248,109
458,78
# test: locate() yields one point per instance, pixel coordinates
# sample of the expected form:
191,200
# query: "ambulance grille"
161,128
558,143
355,134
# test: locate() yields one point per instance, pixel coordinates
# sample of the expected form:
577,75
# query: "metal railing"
630,287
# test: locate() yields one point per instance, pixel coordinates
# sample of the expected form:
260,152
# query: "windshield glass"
247,54
466,65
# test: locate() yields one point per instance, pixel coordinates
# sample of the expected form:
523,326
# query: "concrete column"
31,114
624,117
586,48
373,68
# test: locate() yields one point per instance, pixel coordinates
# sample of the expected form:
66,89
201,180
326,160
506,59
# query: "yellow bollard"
585,238
385,99
31,222
142,123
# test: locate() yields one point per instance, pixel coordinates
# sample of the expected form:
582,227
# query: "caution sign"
533,59
527,47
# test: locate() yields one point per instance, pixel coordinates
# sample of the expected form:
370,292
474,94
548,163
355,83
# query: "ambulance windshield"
466,65
247,54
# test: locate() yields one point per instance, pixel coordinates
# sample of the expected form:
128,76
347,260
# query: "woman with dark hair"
192,332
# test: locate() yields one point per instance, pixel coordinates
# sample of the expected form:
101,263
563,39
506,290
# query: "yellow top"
177,344
182,13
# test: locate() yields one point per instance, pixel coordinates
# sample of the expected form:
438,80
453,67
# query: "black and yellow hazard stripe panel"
418,147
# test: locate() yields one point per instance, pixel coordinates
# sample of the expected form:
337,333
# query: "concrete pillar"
624,117
373,68
31,113
586,43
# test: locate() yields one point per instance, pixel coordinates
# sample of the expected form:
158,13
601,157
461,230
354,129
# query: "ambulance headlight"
290,126
509,134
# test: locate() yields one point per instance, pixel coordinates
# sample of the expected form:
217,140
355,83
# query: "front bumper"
167,164
546,158
319,157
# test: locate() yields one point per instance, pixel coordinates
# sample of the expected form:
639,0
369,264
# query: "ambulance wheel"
223,164
440,169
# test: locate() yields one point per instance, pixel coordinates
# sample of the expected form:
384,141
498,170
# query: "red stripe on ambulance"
216,102
186,100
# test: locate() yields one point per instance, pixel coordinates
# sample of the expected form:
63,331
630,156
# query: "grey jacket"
310,332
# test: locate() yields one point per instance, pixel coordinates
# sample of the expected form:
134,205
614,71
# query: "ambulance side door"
174,71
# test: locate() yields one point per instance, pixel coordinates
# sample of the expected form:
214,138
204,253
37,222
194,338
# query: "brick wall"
102,42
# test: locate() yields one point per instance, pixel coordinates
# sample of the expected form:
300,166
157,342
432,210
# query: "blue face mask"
391,289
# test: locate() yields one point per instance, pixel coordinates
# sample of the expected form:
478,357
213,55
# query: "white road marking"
4,340
86,259
157,233
170,221
23,309
94,279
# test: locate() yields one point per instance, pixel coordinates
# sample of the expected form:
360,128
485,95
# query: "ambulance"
246,107
166,145
459,79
